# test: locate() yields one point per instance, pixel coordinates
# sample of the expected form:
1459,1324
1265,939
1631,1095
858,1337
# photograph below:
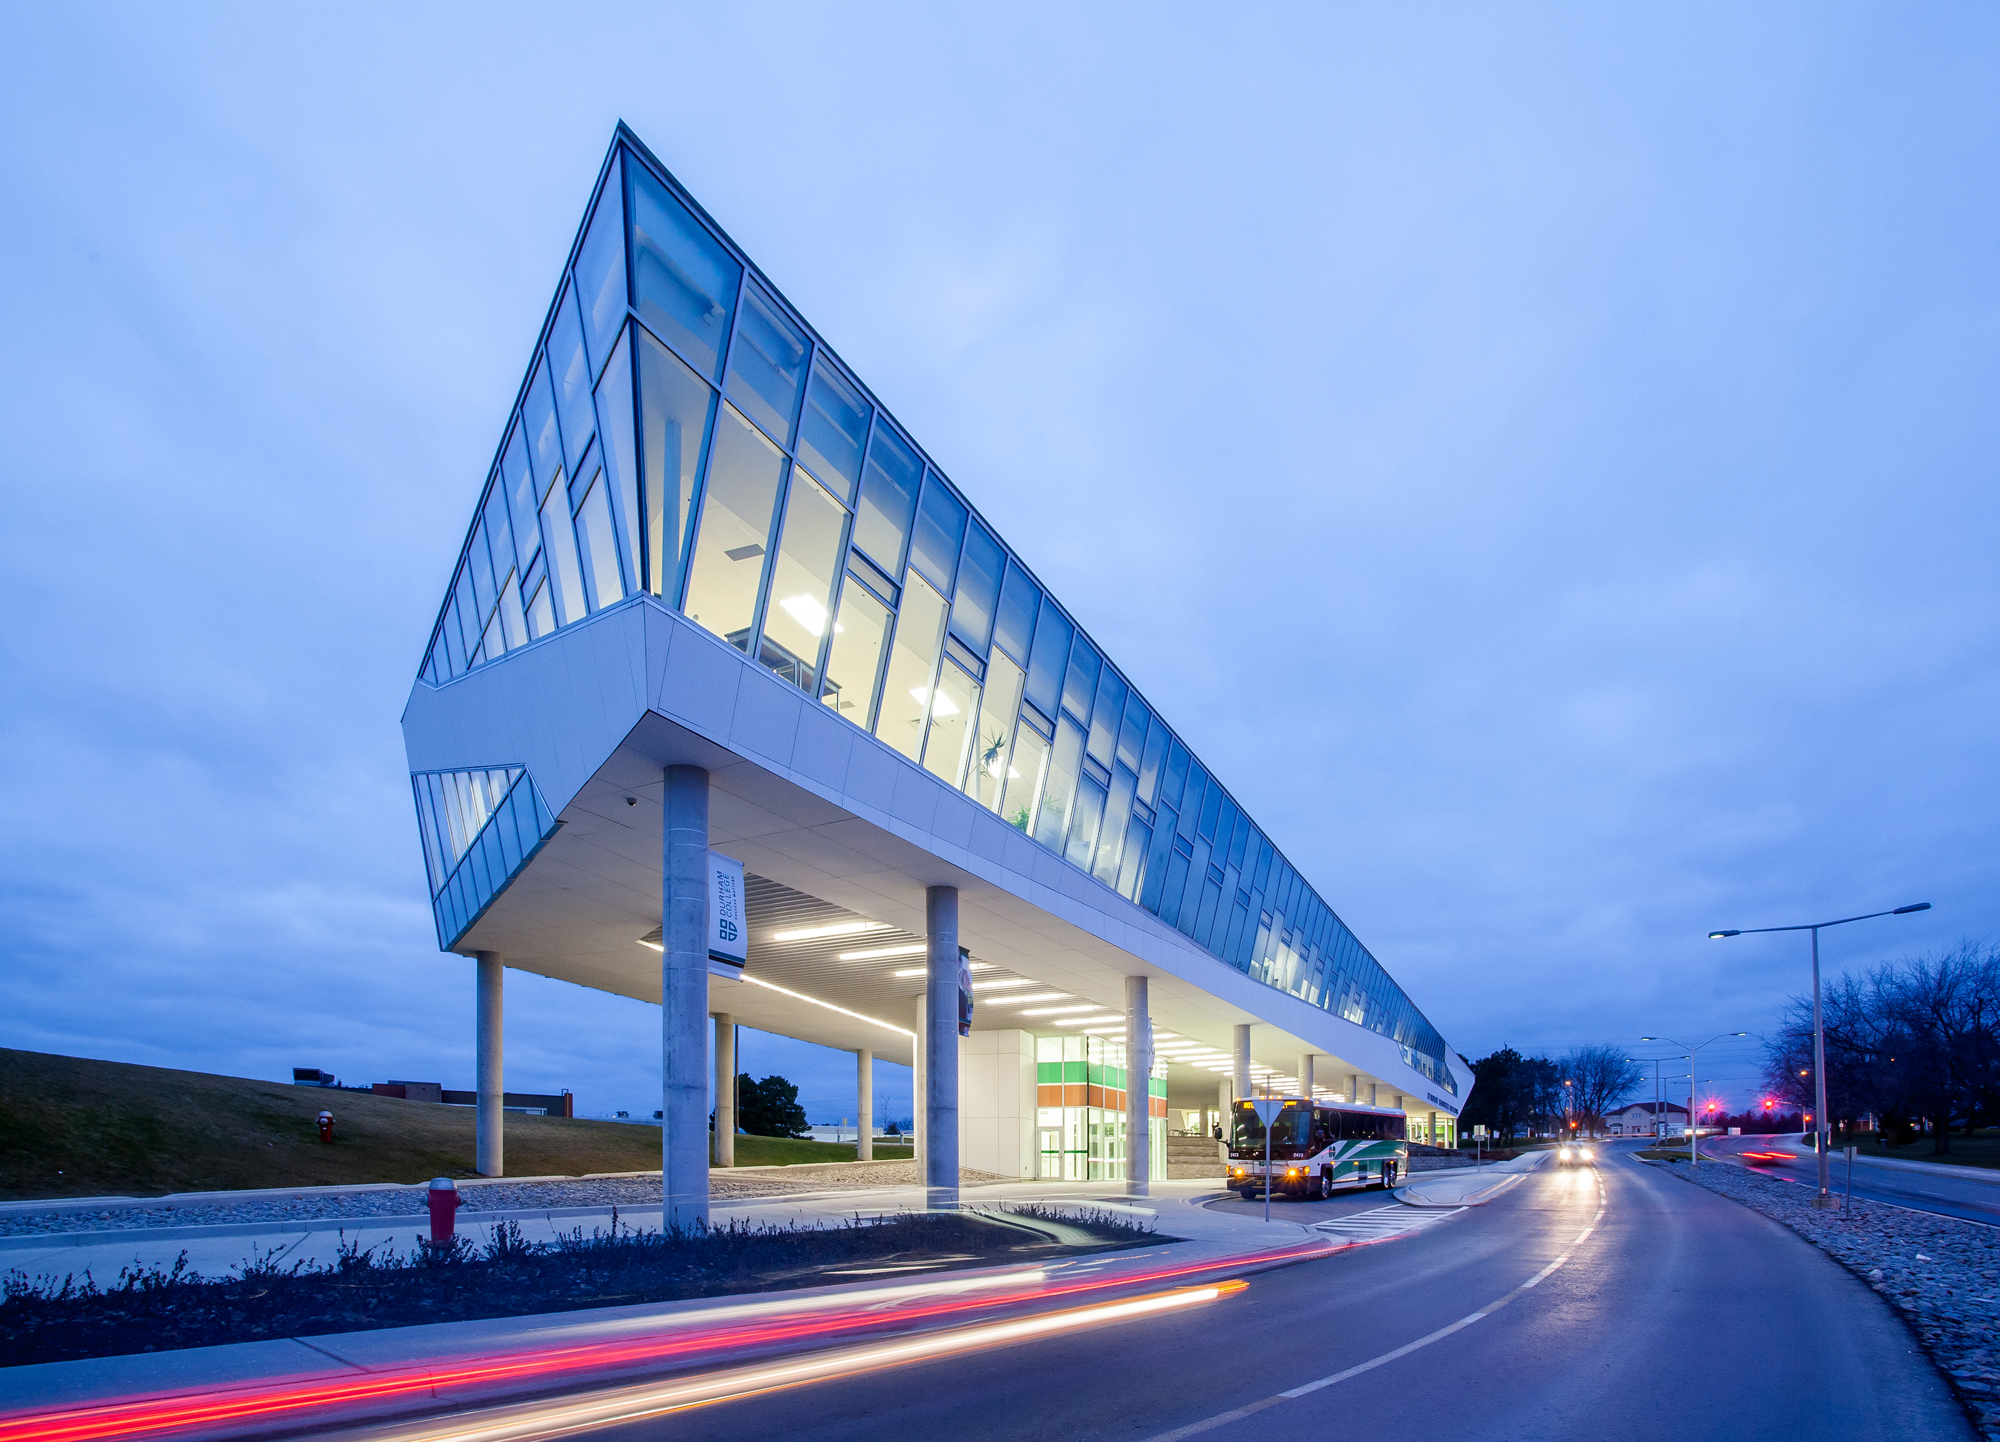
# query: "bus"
1317,1149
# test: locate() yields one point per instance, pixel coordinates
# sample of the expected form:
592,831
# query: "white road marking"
1378,1223
1222,1419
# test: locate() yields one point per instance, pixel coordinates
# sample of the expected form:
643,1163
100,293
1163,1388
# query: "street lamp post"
1825,1197
1694,1129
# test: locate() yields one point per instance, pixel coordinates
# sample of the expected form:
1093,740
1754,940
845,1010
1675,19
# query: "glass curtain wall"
683,433
1080,1121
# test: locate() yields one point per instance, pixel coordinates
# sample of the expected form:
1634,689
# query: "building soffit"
825,812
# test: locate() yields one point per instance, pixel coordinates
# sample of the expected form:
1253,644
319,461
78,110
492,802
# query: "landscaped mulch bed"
155,1310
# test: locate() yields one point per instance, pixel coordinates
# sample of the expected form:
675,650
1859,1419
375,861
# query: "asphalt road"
1770,1338
1973,1199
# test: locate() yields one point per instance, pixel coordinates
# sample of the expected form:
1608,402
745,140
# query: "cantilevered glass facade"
682,432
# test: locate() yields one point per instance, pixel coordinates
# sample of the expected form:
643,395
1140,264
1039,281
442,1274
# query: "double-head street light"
1825,1197
1694,1130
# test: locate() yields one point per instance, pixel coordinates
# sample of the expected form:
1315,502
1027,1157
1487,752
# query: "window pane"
469,619
835,430
676,408
522,498
513,622
600,266
499,531
614,403
480,568
1132,736
1149,762
999,714
1014,627
856,657
1104,719
953,711
913,661
736,514
802,583
940,528
978,589
1083,826
538,420
541,613
888,495
686,281
1080,684
1045,671
571,373
1111,839
1025,778
1059,789
600,549
454,640
559,545
1132,867
766,365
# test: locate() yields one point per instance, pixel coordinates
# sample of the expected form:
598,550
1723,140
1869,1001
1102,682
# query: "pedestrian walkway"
1378,1224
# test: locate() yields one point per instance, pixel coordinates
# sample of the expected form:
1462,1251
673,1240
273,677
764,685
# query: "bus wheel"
1388,1175
1326,1184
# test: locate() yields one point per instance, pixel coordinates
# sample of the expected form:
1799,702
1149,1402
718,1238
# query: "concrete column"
1354,1087
725,1089
684,1002
1223,1103
1243,1087
919,1127
1306,1075
1138,1088
941,1045
864,1110
490,1158
1371,1095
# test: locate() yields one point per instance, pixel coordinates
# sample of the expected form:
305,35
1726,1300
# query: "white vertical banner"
728,928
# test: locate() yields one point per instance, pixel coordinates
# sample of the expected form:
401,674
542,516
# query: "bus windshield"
1287,1132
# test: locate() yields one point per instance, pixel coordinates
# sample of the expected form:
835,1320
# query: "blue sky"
1542,458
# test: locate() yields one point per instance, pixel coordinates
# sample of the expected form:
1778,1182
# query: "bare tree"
1600,1077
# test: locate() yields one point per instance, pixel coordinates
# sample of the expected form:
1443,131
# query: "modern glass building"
686,452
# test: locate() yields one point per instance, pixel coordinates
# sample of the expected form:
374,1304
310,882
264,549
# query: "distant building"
1637,1120
312,1076
538,1104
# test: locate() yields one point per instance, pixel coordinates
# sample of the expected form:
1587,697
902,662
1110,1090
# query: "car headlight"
1563,1155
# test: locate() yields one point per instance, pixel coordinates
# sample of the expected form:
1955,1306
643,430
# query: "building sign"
728,928
964,992
1438,1101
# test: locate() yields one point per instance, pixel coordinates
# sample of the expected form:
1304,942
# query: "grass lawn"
787,1152
1980,1150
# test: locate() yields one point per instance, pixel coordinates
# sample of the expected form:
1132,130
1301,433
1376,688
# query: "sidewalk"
1469,1186
1982,1176
466,1361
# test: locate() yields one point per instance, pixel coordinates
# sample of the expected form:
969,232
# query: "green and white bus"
1317,1150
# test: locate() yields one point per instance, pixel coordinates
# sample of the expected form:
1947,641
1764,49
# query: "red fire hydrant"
445,1202
326,1127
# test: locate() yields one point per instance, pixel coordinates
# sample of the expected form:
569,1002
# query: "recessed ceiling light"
926,971
833,928
915,948
1023,1000
1088,1021
1008,981
1062,1010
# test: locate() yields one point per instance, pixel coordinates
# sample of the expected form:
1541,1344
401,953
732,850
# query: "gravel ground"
1942,1274
486,1197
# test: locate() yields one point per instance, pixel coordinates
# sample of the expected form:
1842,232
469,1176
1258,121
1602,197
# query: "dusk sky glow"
1541,459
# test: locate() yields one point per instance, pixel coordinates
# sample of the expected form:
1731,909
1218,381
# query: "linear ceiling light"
1023,1000
801,996
1063,1010
1087,1021
832,928
915,948
1009,981
926,971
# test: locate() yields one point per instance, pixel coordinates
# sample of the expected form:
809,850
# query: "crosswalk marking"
1391,1221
